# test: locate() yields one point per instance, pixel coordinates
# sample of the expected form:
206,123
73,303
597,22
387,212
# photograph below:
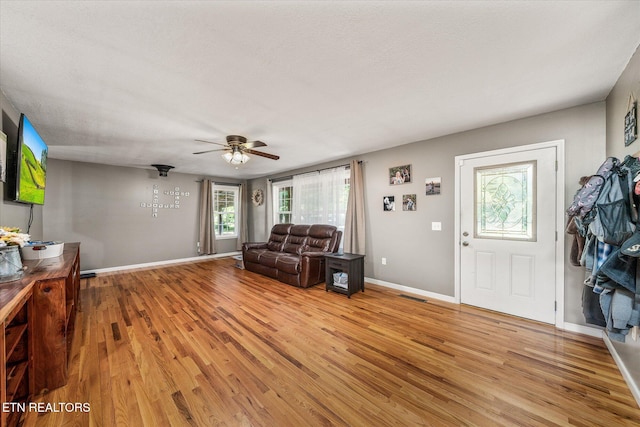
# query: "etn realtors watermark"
42,407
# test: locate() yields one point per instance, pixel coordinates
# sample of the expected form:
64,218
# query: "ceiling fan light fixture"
236,157
236,148
162,169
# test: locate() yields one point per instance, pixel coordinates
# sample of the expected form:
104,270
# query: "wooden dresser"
38,316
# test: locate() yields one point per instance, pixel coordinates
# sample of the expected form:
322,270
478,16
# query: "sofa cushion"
269,258
278,237
317,245
288,264
320,238
322,230
253,255
281,228
297,239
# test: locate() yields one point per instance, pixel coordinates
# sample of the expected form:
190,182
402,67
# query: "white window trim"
275,190
236,196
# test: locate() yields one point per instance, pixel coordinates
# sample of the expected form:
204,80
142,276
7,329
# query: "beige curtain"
268,206
207,236
242,216
354,228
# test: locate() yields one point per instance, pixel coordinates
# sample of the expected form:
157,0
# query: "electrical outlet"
436,226
384,261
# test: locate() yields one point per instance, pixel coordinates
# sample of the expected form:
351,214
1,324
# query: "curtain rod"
284,178
230,184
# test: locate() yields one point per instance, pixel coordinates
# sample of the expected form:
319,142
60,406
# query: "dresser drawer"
334,263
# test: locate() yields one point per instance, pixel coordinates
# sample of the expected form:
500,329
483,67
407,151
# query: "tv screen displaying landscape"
32,167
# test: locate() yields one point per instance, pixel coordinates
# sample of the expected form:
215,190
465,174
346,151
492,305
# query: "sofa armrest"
311,268
316,254
254,245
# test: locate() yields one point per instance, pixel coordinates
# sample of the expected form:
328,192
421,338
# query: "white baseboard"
416,291
571,327
161,263
622,360
585,330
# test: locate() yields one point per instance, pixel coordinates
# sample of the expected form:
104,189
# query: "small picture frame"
388,203
3,157
400,175
409,202
432,186
631,124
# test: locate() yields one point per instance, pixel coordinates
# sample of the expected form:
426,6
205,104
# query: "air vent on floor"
413,298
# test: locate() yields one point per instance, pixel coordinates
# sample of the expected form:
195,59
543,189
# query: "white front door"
508,232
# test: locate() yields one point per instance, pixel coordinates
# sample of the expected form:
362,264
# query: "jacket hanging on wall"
605,213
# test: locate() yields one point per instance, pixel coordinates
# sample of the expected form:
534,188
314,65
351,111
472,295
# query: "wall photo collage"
399,175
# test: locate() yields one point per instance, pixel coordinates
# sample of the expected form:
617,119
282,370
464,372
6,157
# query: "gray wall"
423,259
99,206
16,214
617,106
257,219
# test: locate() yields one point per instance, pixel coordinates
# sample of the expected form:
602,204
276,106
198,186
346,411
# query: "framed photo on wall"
389,203
3,157
432,186
400,175
631,124
409,202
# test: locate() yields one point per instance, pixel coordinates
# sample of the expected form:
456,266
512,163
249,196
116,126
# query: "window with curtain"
313,198
283,195
225,205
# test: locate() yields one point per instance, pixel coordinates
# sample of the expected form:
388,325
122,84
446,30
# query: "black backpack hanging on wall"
612,220
588,195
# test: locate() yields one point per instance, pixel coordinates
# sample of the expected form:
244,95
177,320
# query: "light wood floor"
206,344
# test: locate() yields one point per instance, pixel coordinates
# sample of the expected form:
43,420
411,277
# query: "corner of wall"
626,90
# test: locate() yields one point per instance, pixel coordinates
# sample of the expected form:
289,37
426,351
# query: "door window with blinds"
505,202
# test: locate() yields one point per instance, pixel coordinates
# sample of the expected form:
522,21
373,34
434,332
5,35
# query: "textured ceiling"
133,83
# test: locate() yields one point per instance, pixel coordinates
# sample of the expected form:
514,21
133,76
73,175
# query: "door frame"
560,217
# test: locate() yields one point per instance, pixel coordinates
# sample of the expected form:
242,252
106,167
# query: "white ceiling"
133,83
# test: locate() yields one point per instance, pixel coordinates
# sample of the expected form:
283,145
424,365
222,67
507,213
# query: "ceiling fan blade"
210,142
259,153
210,151
254,144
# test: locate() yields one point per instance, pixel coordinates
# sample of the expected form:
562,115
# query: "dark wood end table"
352,265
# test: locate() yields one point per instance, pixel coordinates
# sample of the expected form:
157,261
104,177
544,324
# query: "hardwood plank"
205,343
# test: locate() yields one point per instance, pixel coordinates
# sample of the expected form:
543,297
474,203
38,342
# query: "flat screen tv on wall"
31,164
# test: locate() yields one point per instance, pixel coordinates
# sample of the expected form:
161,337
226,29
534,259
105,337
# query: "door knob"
465,234
465,243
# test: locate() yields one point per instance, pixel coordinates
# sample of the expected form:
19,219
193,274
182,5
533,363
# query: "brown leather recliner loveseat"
294,254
